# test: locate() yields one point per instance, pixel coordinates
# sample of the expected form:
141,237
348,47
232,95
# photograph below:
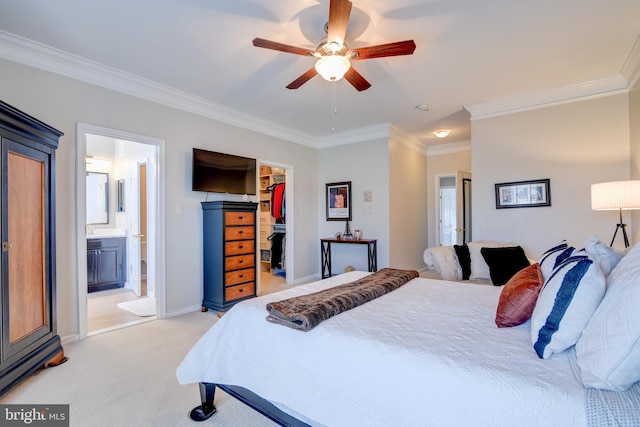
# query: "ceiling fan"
333,53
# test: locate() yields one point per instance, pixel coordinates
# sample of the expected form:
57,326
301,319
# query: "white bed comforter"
426,354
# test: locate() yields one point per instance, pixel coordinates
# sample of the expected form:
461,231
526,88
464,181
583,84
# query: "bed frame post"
207,409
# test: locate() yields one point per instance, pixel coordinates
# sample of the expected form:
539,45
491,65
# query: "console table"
325,253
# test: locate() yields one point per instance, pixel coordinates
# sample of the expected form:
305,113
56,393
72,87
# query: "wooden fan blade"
356,79
303,78
268,44
390,49
339,11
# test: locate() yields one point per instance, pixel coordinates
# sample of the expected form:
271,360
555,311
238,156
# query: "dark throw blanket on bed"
307,311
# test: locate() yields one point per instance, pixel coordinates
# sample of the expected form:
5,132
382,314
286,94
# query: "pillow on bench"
479,267
504,263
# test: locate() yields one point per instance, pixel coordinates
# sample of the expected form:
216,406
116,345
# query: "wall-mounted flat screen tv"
223,173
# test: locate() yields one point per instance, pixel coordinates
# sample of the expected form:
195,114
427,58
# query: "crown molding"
38,55
546,98
449,148
631,68
406,139
357,135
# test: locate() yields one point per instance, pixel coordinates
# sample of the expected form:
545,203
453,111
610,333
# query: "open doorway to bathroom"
118,285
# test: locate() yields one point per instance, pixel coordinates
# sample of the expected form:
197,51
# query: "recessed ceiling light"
442,133
422,107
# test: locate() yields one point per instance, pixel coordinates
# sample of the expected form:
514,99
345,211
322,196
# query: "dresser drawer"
240,291
239,276
239,261
239,247
239,218
239,233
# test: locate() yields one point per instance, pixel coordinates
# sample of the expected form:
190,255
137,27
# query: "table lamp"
616,195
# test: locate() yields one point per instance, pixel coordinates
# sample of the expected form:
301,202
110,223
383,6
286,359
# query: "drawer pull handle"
241,276
240,232
241,291
240,262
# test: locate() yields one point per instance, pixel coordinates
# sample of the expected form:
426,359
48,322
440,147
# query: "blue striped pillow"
565,305
551,258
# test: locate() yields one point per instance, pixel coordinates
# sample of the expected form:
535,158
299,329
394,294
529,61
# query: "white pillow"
444,260
607,257
554,256
608,352
565,305
479,267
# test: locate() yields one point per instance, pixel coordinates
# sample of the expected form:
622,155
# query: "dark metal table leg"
325,259
373,256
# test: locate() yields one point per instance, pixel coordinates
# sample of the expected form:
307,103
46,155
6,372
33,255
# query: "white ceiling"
469,52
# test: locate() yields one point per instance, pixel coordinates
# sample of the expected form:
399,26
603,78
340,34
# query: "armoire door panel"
25,245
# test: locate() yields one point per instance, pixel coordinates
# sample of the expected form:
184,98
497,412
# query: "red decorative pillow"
519,296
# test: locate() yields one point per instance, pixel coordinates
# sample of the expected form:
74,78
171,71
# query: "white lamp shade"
332,67
615,195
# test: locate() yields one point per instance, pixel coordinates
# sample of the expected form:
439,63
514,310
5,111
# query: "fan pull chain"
335,107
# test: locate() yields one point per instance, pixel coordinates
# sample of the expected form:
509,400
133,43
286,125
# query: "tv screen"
223,173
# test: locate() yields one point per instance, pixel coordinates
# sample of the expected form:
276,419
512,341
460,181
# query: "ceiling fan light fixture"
332,67
334,46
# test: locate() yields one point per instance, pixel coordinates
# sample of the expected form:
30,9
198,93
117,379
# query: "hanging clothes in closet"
278,203
277,250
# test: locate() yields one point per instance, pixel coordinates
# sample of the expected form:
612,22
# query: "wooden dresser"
28,332
229,244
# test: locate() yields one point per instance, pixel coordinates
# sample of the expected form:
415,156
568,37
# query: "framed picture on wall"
523,194
338,199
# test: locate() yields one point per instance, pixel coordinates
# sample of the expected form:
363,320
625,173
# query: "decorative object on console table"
347,232
28,285
616,196
325,254
229,244
523,194
338,201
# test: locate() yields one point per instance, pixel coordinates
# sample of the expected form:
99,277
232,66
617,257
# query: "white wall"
366,165
442,164
634,123
408,205
575,145
61,102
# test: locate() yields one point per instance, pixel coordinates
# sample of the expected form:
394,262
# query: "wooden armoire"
28,334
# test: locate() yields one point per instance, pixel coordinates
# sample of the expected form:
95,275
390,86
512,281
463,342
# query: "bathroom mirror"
97,198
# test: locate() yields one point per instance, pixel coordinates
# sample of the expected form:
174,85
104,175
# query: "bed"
428,353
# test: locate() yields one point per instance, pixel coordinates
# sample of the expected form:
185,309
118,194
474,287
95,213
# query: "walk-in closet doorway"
275,218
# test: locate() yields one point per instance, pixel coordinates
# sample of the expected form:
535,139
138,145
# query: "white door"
463,208
447,216
133,243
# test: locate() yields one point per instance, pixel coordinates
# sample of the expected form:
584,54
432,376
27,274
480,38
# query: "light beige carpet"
127,378
143,307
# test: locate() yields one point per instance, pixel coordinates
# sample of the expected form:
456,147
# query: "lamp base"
624,234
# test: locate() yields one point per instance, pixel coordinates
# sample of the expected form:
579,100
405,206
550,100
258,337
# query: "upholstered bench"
482,262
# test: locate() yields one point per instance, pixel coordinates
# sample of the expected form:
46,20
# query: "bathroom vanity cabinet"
106,263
